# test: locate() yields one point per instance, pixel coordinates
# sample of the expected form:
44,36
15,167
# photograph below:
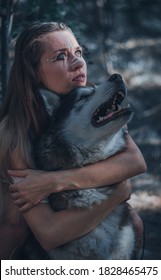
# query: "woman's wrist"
57,181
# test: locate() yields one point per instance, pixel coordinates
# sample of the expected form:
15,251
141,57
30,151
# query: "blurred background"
118,36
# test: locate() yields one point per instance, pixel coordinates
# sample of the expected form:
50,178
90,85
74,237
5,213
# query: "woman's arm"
13,230
36,185
53,229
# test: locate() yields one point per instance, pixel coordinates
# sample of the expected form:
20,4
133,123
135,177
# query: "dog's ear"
51,100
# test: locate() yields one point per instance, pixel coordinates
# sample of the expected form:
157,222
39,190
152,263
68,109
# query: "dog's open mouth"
110,110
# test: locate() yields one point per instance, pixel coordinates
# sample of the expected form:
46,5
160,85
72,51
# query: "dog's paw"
58,201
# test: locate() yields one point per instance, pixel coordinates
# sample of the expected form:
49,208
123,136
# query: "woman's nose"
76,62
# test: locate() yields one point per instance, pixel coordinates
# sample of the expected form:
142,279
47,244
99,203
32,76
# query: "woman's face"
62,66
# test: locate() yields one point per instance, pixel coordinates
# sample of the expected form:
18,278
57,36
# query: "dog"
88,125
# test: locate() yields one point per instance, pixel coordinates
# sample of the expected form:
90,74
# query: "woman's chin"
80,83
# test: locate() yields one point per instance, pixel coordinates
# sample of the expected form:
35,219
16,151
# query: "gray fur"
74,139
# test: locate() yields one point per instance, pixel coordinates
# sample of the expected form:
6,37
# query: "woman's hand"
29,187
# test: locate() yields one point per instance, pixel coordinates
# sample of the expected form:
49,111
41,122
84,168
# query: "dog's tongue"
109,115
106,117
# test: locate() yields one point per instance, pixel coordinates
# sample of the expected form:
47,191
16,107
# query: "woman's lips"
80,78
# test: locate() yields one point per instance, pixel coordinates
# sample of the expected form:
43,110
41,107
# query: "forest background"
118,36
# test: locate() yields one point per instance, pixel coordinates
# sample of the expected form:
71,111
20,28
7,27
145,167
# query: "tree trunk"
7,11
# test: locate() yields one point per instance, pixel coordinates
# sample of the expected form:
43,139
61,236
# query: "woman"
48,55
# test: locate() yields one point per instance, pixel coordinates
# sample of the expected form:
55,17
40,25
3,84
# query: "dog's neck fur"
105,149
66,156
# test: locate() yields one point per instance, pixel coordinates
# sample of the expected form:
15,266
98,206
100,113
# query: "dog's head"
93,113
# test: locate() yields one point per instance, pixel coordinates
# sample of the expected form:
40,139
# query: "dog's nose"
115,77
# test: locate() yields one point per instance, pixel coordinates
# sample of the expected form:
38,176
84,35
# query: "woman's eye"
78,53
61,56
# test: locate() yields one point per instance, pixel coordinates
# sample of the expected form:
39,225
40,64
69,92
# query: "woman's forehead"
60,40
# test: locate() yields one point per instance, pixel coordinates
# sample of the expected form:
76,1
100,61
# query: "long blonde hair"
23,111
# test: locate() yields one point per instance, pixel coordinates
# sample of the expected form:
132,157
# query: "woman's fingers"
18,173
12,188
25,207
22,205
14,195
18,202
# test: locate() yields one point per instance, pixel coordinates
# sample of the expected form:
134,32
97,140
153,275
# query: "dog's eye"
83,97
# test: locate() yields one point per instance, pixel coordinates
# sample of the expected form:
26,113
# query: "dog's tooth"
100,119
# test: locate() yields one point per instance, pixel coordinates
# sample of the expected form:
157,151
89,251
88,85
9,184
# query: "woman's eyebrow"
60,50
66,49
